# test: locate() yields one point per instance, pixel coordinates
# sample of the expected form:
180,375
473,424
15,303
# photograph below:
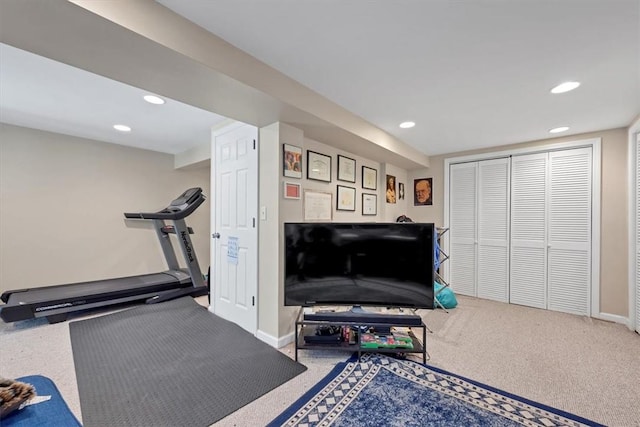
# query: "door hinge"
254,144
254,223
253,301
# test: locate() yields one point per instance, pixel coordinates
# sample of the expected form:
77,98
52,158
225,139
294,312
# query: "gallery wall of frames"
332,185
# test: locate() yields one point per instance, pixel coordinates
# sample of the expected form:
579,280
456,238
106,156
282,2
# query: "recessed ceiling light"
122,128
559,129
407,125
565,87
152,99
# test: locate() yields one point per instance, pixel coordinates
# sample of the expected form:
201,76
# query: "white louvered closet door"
493,229
569,231
462,228
637,192
528,267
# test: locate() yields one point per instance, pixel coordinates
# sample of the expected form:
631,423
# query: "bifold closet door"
528,267
479,228
462,227
551,203
569,231
493,229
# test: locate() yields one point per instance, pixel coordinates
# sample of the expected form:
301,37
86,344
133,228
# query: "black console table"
308,323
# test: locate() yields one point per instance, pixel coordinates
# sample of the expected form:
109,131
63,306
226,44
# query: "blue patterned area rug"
383,391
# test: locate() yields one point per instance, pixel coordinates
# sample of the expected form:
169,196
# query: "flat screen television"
359,264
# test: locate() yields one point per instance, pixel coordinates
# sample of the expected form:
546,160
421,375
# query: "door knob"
216,235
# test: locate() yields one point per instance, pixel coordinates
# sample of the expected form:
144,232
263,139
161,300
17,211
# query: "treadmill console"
179,208
187,197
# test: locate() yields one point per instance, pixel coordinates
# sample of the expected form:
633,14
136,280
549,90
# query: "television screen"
374,264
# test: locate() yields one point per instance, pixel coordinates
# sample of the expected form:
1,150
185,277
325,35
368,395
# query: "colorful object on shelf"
371,340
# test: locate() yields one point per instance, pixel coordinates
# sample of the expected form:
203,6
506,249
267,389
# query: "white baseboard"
614,318
287,339
274,341
269,339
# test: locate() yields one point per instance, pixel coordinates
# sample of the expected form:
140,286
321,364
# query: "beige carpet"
584,366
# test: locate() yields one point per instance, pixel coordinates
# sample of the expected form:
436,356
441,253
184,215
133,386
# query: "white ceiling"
40,93
470,73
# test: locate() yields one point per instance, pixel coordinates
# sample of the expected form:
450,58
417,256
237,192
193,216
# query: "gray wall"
61,208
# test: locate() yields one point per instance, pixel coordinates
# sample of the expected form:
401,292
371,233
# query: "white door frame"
634,130
595,144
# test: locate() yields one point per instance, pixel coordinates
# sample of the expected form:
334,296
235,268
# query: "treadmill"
56,302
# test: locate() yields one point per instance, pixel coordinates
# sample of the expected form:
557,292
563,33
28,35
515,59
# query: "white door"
528,267
569,231
462,228
493,229
234,230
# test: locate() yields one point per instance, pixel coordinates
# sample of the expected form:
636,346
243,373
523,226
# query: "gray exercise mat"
170,364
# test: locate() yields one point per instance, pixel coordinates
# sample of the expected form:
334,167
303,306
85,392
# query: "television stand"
360,331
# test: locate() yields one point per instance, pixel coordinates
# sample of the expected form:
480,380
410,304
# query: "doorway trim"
634,130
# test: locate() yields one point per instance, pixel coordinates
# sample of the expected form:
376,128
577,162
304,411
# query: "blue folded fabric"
51,413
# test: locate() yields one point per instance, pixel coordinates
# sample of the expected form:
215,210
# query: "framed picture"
400,191
391,189
291,190
369,178
317,206
346,198
318,166
369,204
422,192
292,161
346,169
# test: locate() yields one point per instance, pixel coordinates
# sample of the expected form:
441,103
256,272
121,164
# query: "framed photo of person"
369,178
292,161
422,192
346,169
391,189
346,200
400,191
369,204
318,166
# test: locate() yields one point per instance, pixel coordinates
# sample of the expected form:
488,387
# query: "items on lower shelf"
372,340
330,335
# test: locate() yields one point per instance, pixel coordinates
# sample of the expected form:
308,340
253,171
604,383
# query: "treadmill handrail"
172,212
